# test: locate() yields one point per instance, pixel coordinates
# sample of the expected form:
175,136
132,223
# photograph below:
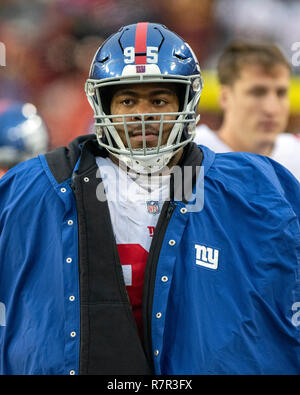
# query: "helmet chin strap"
149,164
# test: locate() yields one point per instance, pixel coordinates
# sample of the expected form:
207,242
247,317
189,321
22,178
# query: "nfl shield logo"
153,207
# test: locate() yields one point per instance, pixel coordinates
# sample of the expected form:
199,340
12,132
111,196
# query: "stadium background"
50,44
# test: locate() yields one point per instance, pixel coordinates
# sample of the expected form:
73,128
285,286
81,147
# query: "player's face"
145,99
257,106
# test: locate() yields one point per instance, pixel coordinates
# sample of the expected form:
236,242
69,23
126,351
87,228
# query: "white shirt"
286,150
134,206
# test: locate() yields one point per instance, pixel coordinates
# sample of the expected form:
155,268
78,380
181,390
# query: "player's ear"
224,96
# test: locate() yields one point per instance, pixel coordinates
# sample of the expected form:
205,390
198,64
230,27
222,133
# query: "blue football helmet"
144,53
23,133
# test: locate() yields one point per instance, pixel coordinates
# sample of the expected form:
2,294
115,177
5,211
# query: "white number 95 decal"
152,55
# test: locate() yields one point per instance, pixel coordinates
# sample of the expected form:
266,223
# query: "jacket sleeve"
21,192
269,228
13,186
289,186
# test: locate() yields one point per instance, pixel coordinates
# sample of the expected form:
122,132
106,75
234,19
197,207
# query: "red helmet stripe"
141,43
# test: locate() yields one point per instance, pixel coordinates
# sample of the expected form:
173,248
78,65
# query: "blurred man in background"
255,81
23,133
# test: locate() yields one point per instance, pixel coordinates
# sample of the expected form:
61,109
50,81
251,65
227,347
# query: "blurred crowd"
50,44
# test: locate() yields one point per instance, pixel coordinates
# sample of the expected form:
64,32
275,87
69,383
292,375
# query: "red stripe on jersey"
141,43
135,256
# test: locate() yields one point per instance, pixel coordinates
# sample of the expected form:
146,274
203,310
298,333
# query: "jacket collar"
80,156
63,160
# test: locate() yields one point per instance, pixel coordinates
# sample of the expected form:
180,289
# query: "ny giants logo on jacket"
207,256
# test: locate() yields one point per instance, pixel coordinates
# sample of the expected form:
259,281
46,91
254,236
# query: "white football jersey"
134,204
286,149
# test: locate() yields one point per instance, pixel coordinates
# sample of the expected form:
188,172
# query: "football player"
255,80
134,250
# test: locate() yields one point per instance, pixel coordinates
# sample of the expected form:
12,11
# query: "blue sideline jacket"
222,283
